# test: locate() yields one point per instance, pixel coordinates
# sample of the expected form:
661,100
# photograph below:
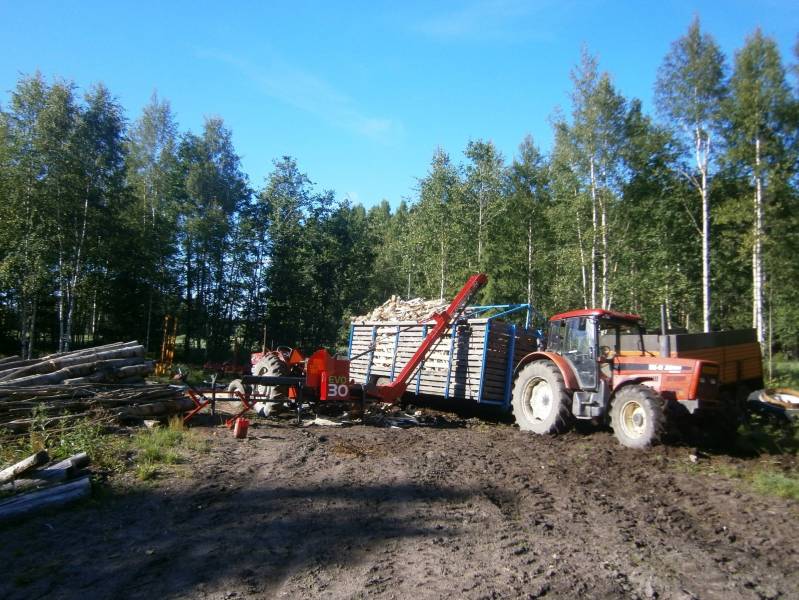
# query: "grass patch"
164,446
766,436
83,435
773,483
147,452
785,373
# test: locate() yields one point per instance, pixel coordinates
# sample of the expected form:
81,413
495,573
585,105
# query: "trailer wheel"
637,417
541,403
271,366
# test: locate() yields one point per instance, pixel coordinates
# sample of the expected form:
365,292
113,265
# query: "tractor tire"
541,403
237,386
271,366
637,416
233,405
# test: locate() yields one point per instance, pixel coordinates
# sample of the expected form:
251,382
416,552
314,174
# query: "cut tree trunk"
58,495
15,470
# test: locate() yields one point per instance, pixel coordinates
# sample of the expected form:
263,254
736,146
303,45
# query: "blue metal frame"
474,312
371,353
511,361
394,357
349,342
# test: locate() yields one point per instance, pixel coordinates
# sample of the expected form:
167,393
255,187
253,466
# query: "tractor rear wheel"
541,403
637,417
271,366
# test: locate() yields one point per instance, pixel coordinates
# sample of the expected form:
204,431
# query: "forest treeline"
107,225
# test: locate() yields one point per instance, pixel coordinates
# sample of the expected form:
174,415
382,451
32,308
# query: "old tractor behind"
584,371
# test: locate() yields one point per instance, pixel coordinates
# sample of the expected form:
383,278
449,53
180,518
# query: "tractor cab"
590,339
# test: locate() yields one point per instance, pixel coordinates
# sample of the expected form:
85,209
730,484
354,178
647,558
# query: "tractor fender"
569,378
632,381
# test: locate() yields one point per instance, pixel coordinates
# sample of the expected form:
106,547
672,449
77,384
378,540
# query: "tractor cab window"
579,349
618,336
557,331
577,339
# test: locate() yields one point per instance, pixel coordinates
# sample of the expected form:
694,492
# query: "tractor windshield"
617,336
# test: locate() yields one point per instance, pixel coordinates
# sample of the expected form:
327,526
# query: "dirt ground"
470,511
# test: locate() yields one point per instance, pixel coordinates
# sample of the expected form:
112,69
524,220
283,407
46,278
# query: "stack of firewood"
36,485
397,309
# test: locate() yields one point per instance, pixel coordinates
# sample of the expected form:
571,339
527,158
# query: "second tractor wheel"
271,366
541,403
636,416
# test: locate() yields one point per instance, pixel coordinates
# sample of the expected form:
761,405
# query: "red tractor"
594,364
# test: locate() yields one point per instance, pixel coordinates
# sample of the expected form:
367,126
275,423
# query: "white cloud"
308,93
492,20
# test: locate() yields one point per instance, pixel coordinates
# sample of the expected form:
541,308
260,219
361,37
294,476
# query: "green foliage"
107,226
777,484
785,373
107,452
164,446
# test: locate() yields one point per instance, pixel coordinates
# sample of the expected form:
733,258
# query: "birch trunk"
441,290
702,159
530,262
594,227
604,237
582,261
757,251
479,233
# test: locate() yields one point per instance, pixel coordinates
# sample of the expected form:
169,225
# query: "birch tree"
758,109
689,91
151,167
597,137
484,188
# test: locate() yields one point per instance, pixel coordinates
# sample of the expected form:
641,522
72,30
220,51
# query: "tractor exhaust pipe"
665,341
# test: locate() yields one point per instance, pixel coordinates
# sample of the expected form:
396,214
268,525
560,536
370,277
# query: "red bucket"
240,428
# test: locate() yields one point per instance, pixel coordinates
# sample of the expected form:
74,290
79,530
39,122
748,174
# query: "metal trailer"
474,360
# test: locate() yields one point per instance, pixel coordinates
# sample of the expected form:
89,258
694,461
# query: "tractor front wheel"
637,417
541,403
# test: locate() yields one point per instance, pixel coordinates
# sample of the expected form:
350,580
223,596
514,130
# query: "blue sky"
361,93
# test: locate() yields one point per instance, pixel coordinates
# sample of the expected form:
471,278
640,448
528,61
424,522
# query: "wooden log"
8,359
114,345
165,407
52,497
56,364
15,470
60,471
70,372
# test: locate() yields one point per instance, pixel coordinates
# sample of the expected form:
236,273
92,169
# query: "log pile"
106,380
397,309
38,486
122,362
52,405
